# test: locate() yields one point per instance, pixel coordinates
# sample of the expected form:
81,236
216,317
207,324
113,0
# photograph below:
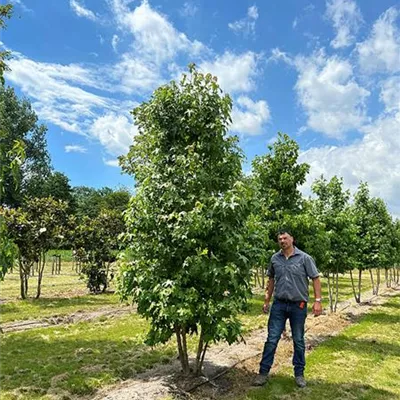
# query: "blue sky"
325,72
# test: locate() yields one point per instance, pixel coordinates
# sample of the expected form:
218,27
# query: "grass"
361,363
77,358
61,295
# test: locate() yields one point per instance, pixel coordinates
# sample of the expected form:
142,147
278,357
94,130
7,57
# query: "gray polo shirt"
291,275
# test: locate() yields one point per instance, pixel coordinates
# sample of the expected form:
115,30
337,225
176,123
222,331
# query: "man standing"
288,274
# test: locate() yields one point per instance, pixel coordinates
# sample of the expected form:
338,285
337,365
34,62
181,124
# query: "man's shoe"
260,380
300,381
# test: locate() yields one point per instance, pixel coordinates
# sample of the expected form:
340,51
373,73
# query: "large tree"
5,13
12,155
276,178
91,202
184,264
19,123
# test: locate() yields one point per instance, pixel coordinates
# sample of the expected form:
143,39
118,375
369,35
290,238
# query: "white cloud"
81,11
114,42
346,19
115,132
246,25
249,117
75,148
111,163
156,39
56,94
236,73
135,75
189,9
381,51
373,159
390,94
327,91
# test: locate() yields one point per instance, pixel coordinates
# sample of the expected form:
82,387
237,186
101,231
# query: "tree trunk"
263,277
353,287
330,292
337,290
371,274
378,280
24,272
359,284
182,349
200,347
41,264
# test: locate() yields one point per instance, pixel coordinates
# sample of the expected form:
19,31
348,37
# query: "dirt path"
164,381
17,326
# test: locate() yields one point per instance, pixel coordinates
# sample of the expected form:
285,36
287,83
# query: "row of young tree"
197,229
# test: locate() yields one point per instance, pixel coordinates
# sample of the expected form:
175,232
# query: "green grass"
77,358
61,295
361,363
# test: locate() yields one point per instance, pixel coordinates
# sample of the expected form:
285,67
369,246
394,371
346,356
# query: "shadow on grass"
79,366
281,386
60,302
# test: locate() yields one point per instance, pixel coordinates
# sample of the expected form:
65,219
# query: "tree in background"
5,13
11,158
35,229
276,179
96,240
55,185
91,202
375,234
331,208
184,266
19,124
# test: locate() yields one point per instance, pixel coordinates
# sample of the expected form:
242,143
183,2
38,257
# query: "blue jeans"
280,312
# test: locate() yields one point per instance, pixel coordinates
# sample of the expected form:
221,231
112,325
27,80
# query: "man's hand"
266,307
317,308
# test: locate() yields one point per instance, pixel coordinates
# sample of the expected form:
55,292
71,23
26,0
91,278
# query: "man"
289,273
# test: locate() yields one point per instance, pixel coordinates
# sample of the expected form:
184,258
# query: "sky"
325,72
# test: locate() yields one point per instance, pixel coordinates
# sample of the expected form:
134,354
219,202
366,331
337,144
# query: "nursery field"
93,341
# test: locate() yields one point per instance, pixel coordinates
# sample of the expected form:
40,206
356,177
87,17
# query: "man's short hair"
283,231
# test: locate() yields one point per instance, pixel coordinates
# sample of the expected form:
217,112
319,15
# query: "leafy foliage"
184,265
19,125
95,240
35,229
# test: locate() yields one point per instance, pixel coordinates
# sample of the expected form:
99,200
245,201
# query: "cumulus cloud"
236,73
381,51
115,132
75,148
81,11
390,94
374,159
246,25
329,94
346,19
156,38
249,117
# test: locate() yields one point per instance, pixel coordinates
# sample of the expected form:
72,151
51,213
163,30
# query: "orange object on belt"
302,304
